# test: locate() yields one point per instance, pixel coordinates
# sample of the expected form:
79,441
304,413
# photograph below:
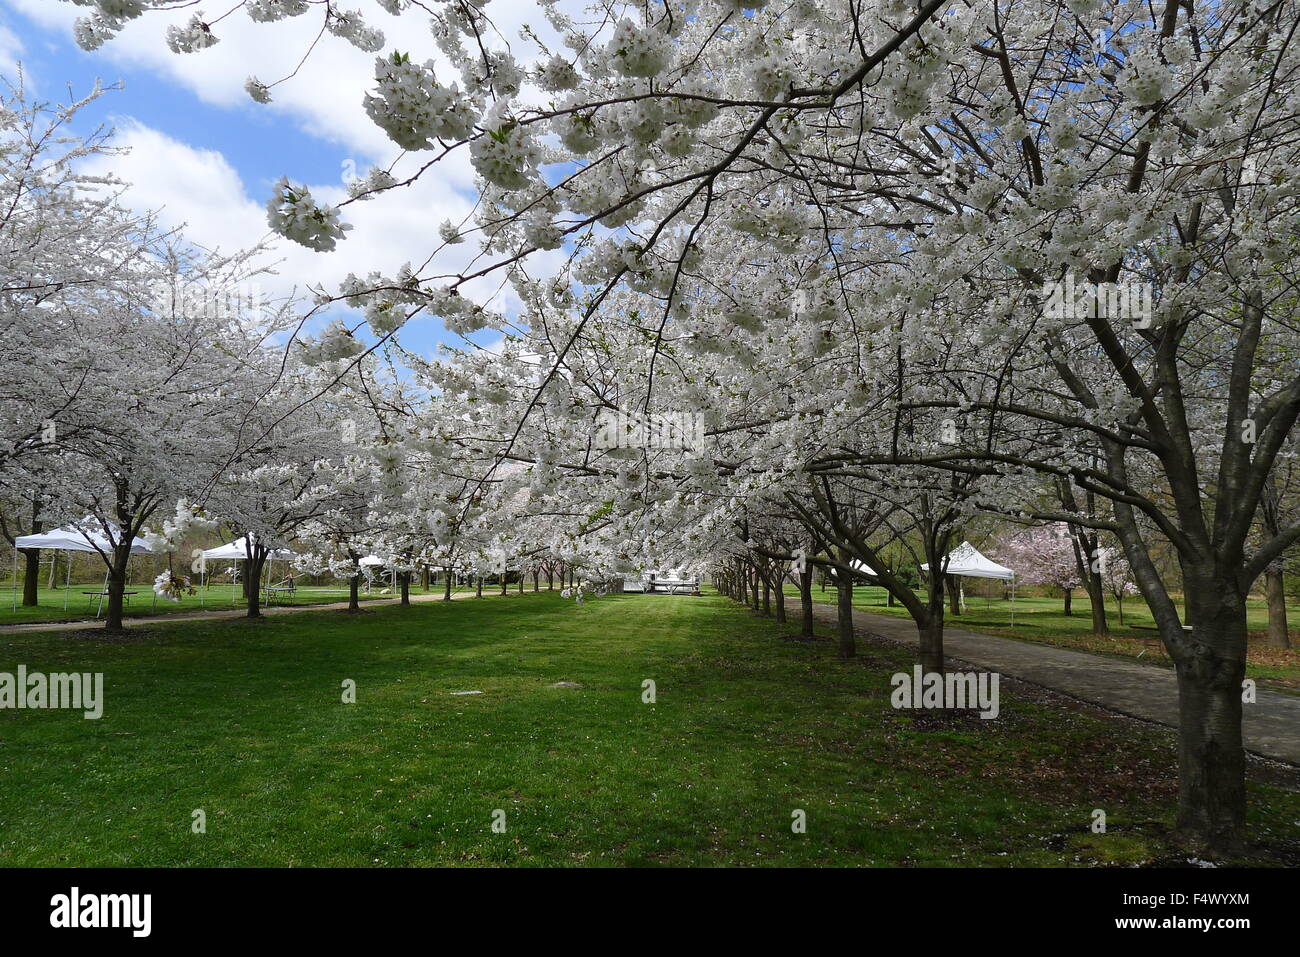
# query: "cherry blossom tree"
1042,259
1041,555
62,239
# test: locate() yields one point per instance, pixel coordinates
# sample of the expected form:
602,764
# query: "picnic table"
270,591
673,586
101,595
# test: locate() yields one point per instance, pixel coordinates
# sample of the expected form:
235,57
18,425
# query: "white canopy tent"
236,551
374,561
71,539
967,561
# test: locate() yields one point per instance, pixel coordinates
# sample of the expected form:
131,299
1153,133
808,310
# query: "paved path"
1271,725
93,625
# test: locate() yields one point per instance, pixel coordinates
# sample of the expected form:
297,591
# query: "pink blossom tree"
1041,555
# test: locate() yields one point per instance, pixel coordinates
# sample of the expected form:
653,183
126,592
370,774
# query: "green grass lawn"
221,597
1044,620
245,721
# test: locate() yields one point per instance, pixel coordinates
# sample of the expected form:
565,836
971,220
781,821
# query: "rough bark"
806,603
1211,755
930,648
1278,634
929,626
953,583
844,605
32,567
31,575
253,596
117,585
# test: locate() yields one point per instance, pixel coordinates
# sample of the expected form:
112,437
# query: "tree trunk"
806,602
1211,761
1085,547
767,597
844,605
253,596
404,582
504,584
1069,596
31,576
32,567
929,626
930,647
780,600
354,601
1096,591
424,577
844,618
478,586
446,586
535,581
1211,756
117,585
954,593
1278,634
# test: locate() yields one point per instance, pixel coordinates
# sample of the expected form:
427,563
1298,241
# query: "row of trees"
909,263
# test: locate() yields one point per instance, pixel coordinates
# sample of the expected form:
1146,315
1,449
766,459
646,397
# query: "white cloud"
200,190
11,49
323,98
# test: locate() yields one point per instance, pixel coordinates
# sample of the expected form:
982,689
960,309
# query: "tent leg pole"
67,585
100,610
16,575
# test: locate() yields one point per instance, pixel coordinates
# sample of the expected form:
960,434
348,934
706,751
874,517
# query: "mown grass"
245,721
1044,620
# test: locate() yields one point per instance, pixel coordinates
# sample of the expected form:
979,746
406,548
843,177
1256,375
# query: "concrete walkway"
98,625
1271,725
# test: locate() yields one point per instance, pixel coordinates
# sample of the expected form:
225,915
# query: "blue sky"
251,139
206,155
